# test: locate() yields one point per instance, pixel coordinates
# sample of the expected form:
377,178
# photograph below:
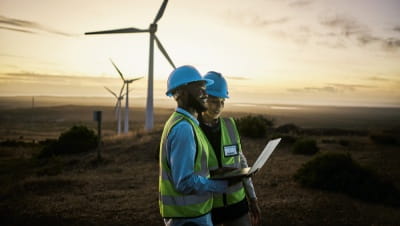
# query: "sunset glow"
333,52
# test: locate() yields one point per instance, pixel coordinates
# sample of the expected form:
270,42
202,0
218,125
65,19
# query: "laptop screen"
263,157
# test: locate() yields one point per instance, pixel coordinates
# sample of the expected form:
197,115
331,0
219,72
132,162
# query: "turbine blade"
132,80
160,46
130,90
160,11
119,72
122,89
116,106
109,90
116,31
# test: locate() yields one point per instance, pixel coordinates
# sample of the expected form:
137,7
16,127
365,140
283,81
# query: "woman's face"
215,106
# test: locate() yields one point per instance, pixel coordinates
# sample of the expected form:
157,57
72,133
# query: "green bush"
340,173
305,146
77,139
254,126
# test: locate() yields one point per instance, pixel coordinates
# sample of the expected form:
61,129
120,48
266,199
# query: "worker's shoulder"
182,127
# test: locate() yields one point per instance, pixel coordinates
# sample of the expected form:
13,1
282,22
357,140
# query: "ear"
178,93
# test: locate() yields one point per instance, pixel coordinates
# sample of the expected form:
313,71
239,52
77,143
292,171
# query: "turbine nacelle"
153,38
153,28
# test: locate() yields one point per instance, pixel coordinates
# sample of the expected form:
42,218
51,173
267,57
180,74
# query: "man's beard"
193,102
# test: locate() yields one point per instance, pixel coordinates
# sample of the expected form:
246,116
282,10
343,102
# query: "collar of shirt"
186,113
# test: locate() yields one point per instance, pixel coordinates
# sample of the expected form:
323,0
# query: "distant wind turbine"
117,108
152,30
126,82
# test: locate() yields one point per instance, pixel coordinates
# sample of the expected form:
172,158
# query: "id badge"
231,150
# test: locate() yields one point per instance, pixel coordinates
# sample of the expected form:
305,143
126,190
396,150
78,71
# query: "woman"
232,207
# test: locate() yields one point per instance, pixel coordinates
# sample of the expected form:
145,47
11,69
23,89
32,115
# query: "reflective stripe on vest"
230,136
173,203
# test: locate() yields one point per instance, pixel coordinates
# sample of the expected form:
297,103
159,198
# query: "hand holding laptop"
248,172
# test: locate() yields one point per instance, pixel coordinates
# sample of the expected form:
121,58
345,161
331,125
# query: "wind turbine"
126,83
117,108
152,31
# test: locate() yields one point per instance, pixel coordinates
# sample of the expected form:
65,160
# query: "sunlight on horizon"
306,52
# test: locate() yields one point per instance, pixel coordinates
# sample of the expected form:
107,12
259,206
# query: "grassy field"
121,189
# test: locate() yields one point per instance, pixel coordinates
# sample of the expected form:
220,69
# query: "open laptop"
243,172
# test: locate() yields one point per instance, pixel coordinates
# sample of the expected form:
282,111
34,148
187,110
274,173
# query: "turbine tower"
117,108
152,31
126,83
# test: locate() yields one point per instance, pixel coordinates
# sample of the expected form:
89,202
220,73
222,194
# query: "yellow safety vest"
229,152
173,203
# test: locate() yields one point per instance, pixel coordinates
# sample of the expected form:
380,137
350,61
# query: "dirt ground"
122,188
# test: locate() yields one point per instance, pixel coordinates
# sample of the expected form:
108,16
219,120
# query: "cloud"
12,55
377,78
331,88
397,28
349,87
300,3
237,78
51,79
325,89
294,90
384,80
391,43
26,26
346,25
367,39
350,28
267,22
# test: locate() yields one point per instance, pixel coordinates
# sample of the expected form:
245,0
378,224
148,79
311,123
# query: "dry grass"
122,187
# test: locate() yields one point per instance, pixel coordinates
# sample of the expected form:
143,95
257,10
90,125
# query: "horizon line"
250,104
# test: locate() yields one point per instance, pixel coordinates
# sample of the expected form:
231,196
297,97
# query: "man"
184,186
230,208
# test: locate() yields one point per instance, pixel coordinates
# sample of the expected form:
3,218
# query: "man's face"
197,96
215,106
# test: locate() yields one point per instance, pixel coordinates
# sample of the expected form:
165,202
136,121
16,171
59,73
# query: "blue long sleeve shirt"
180,153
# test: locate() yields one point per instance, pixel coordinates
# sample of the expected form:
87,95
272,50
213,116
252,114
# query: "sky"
310,52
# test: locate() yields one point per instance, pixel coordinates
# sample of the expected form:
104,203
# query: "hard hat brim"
208,82
216,94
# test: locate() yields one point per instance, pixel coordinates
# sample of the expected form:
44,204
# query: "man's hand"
255,212
221,171
234,180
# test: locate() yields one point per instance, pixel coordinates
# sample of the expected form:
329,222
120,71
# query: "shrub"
384,139
305,147
77,139
15,143
288,128
340,173
49,148
344,142
254,126
288,139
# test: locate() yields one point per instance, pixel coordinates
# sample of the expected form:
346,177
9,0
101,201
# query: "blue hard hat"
182,76
220,86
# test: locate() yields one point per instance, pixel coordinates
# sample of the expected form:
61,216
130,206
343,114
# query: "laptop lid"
261,160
